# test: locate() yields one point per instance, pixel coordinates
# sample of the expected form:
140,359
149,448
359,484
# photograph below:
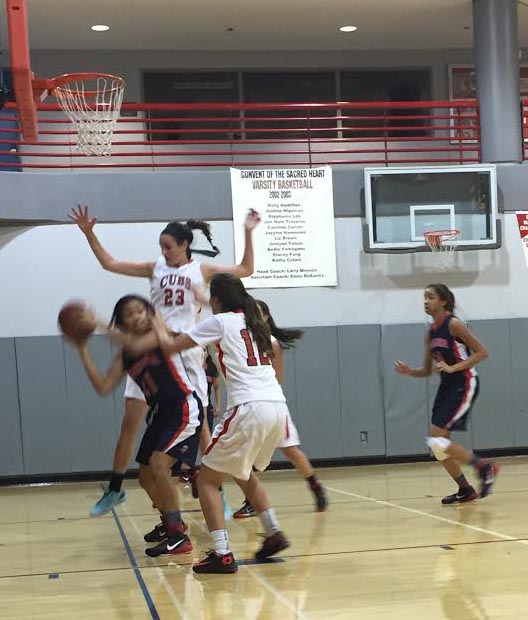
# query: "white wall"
41,267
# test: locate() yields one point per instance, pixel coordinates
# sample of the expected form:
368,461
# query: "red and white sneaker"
179,543
214,563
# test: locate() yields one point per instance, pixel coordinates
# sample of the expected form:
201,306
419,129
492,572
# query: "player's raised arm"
246,266
86,224
103,383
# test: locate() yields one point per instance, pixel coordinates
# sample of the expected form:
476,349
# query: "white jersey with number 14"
249,375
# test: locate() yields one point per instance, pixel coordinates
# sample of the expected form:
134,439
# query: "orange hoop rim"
56,84
441,234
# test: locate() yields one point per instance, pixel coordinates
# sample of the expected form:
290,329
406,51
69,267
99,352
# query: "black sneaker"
488,475
321,502
179,543
466,494
158,534
245,511
272,545
214,563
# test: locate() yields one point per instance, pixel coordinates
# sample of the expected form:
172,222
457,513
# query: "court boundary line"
285,557
137,572
158,570
421,513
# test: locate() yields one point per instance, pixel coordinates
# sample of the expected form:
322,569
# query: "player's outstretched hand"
253,219
401,368
81,217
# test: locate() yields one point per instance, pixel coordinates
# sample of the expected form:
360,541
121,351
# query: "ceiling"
256,24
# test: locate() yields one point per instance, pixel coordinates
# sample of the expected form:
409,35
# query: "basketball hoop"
92,102
440,243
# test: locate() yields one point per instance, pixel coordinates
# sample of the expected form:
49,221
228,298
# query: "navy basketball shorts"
453,404
168,432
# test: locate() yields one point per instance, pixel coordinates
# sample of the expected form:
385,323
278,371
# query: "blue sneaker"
228,513
109,500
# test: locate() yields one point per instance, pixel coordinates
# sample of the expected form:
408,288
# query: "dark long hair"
445,294
287,337
119,308
232,296
183,232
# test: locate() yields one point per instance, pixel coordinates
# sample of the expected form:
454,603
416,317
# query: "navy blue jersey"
161,377
444,347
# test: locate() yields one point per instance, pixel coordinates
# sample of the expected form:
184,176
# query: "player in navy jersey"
177,284
453,351
174,420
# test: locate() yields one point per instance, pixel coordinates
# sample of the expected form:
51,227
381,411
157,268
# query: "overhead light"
348,28
100,28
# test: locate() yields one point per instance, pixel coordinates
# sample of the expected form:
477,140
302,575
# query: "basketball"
76,321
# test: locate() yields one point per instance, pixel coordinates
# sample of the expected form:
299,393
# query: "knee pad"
438,446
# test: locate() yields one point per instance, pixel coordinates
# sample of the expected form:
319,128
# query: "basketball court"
386,548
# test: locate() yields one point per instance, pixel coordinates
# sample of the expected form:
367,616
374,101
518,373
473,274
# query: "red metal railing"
160,136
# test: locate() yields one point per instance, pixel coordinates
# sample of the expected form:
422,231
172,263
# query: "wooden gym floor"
385,550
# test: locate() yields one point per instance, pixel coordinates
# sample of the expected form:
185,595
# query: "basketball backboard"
401,204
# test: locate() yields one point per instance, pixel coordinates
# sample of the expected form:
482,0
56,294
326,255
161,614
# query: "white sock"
220,542
269,521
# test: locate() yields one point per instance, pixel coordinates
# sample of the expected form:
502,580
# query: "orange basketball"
76,320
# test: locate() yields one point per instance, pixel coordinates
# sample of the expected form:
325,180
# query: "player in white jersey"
290,445
256,416
177,284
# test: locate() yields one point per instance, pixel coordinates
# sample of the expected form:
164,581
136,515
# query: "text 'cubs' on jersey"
172,293
445,347
249,374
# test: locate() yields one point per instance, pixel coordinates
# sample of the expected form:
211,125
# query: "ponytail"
287,337
258,325
183,232
206,230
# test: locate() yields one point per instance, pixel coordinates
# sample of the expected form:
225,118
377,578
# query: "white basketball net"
440,243
93,106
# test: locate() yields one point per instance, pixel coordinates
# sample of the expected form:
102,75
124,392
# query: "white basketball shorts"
246,436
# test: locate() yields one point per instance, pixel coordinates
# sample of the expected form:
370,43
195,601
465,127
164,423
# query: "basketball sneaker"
321,502
466,494
487,475
159,533
272,545
179,543
214,563
245,511
108,501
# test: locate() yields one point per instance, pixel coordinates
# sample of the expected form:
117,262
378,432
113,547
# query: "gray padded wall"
519,347
47,429
361,390
493,415
339,381
11,459
317,388
93,418
406,410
